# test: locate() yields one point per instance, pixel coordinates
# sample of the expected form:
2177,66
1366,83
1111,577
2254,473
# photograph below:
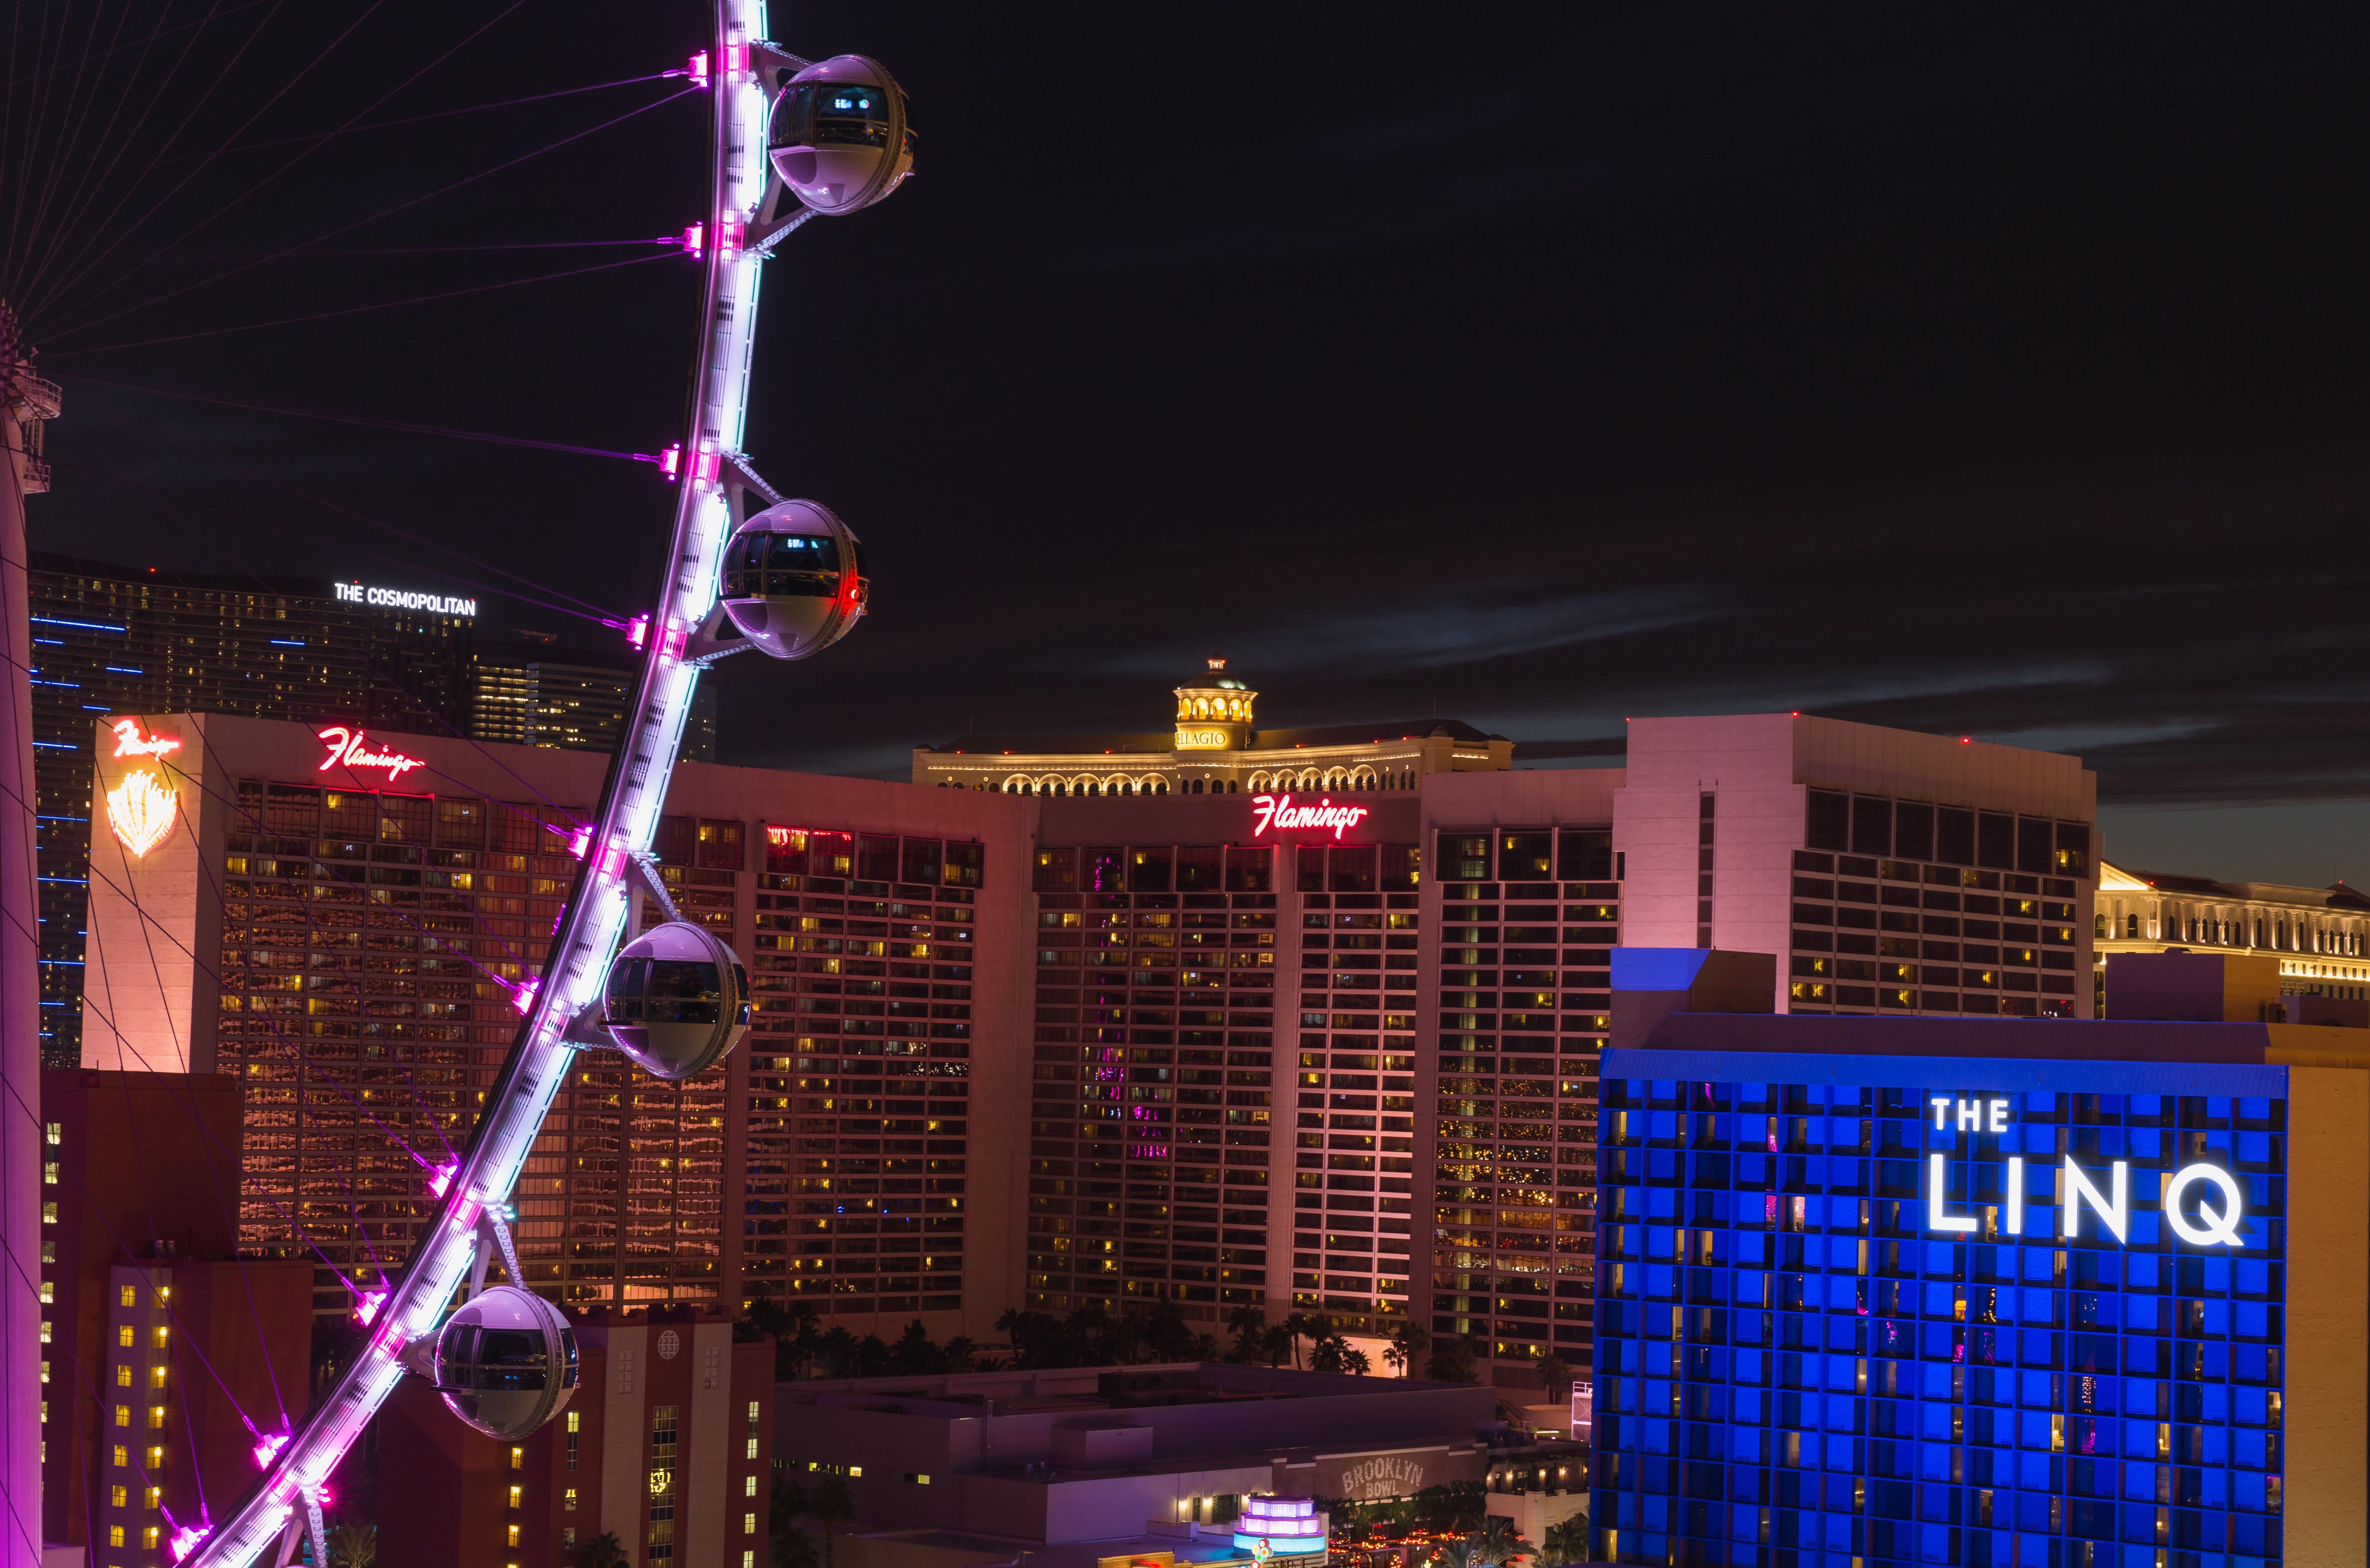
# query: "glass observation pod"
839,137
795,578
506,1362
677,1000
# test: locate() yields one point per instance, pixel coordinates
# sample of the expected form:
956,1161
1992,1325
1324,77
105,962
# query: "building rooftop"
1164,741
2336,895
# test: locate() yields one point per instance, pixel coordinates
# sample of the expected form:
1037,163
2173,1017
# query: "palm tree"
831,1503
1277,1343
1249,1325
1556,1373
1567,1542
1451,1361
1500,1543
1408,1342
1459,1551
353,1546
794,1549
1299,1326
603,1551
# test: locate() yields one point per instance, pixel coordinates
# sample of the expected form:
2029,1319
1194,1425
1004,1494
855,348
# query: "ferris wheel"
746,568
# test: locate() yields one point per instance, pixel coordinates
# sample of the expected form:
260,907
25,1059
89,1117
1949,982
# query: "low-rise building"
2320,935
164,1355
666,1445
1143,1459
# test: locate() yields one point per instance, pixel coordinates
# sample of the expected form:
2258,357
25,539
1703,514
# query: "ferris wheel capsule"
839,135
794,578
506,1362
677,1000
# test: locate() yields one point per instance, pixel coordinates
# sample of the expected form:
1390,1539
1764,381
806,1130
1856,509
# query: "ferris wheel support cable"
220,77
206,160
308,152
349,310
153,96
405,426
344,228
9,82
381,125
63,147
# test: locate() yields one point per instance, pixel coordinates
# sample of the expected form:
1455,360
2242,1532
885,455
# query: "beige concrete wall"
2328,1310
149,994
1758,766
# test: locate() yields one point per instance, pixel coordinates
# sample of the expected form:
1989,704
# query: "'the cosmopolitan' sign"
2213,1228
1279,813
404,599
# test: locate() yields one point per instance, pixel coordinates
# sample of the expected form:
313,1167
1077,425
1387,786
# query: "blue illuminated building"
2112,1333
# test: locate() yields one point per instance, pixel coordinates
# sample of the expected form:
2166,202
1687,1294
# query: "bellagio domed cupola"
1213,711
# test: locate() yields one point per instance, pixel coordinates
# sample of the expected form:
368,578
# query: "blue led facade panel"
1858,1309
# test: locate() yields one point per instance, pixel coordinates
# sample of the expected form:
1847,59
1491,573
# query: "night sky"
2000,374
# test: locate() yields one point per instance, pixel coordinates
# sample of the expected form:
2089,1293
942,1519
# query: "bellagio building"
1213,749
1280,1044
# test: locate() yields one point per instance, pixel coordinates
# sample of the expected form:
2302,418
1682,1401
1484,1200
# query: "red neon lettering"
349,749
129,741
1279,813
778,835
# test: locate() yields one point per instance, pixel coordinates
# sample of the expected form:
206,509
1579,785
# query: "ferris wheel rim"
532,1071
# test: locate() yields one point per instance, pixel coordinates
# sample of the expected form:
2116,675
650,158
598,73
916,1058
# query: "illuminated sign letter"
2116,1215
2220,1229
2014,1218
1938,1177
349,747
129,741
1279,813
141,809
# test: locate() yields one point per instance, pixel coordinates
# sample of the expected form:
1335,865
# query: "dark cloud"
2001,375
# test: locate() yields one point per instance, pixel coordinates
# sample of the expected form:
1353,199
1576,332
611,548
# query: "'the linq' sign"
2111,1211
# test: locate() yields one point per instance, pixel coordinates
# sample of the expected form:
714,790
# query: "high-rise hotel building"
115,639
1296,1047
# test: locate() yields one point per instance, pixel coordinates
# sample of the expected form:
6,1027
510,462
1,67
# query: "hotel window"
568,1501
509,1535
1704,824
1524,997
748,1524
1154,1055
